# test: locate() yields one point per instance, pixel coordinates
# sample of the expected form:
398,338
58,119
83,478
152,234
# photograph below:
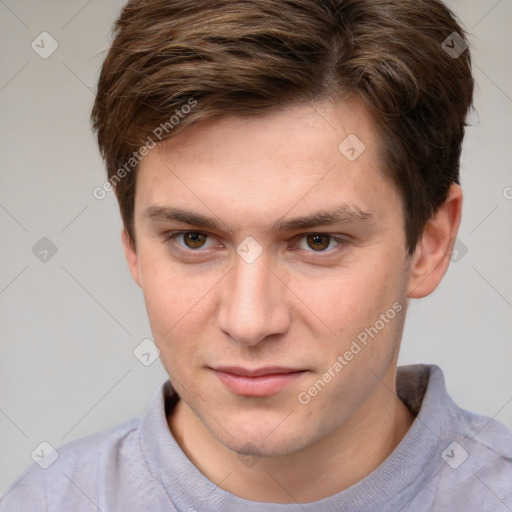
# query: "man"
287,174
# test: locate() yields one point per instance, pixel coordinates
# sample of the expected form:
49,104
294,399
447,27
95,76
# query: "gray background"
69,325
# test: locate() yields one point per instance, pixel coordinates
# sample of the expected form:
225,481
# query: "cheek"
173,313
179,302
171,290
351,297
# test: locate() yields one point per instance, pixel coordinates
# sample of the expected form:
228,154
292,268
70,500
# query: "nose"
254,302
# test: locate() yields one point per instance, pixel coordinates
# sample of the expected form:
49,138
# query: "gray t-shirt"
450,461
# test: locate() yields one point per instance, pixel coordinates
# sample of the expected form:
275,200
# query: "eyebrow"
345,214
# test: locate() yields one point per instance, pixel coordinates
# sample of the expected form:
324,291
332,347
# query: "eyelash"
171,237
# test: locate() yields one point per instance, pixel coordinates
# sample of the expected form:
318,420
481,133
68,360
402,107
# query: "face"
274,270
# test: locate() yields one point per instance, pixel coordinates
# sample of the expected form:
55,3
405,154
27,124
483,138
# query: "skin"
294,306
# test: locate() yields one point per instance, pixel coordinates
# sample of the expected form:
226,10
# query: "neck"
361,444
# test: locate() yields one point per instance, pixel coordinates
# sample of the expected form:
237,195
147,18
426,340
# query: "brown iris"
194,240
318,242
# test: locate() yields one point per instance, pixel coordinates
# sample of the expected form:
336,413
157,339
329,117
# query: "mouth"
257,382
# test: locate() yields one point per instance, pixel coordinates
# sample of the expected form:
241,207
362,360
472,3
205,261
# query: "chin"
264,438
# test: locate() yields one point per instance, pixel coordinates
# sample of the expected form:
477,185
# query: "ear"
131,256
432,255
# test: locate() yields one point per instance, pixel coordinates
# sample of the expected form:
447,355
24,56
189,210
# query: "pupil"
318,242
194,240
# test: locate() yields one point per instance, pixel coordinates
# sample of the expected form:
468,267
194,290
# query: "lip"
263,381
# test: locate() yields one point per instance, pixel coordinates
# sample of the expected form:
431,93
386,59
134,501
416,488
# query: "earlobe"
431,258
131,256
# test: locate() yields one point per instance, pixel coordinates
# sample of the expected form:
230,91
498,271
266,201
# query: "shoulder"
477,463
70,473
470,455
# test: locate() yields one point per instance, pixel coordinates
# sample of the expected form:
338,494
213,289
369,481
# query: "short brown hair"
247,57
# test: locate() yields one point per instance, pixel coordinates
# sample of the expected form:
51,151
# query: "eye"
191,240
318,242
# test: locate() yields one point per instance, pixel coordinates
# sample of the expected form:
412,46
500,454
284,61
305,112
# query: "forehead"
294,158
304,132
